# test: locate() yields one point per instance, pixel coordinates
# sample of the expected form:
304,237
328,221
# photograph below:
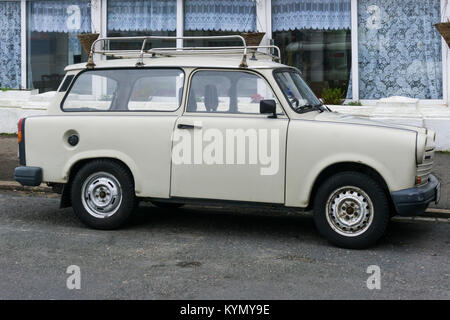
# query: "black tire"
168,205
123,206
333,228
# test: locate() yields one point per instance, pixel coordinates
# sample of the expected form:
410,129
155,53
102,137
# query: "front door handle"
186,126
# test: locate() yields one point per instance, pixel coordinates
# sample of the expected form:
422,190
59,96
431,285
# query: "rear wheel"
103,194
351,210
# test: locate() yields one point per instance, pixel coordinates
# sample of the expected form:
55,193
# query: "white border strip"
23,44
355,57
180,23
445,50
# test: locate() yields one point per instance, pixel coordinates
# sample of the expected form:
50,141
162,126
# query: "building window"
399,49
128,18
209,18
10,44
53,27
314,36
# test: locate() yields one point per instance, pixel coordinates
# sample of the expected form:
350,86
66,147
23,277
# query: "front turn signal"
418,180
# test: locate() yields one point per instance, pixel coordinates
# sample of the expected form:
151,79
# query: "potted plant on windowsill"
253,39
444,27
444,30
87,39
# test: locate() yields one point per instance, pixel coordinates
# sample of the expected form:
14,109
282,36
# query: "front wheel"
103,194
351,210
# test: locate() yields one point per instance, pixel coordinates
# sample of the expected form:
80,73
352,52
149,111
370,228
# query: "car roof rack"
140,54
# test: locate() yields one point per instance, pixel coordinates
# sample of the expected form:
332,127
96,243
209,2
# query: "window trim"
288,69
69,89
257,115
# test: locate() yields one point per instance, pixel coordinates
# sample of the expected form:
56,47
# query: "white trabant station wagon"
228,124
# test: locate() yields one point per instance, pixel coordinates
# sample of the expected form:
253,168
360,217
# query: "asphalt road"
210,253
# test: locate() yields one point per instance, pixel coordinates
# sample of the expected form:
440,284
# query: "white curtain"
142,15
215,15
10,46
311,14
400,51
72,16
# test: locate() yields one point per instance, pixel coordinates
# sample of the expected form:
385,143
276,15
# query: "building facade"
371,49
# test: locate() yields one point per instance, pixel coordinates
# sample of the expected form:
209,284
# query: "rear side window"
158,90
126,90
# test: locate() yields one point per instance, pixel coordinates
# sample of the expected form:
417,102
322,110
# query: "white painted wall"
435,117
15,105
19,104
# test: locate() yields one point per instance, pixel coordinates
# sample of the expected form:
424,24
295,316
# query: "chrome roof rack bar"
174,51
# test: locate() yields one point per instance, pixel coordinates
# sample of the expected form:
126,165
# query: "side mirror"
268,107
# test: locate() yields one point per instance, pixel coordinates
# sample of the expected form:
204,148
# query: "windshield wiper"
310,107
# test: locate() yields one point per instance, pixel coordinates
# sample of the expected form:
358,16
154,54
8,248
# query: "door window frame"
282,115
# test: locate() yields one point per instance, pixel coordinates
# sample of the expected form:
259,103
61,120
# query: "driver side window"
227,92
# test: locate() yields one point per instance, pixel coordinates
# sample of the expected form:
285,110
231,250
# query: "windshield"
300,96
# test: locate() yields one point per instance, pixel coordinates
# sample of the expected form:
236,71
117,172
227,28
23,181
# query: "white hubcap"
349,211
101,195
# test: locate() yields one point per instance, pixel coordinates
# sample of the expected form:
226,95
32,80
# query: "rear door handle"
187,126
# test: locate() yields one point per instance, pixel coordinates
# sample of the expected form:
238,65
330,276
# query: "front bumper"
414,201
28,176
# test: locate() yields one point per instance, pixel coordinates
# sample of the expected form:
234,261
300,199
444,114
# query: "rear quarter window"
126,90
66,83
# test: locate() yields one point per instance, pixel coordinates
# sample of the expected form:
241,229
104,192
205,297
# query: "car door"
223,148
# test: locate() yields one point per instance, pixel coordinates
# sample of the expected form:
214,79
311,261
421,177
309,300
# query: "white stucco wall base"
9,117
435,117
15,105
20,104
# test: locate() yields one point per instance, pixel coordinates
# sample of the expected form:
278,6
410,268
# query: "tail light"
20,130
21,139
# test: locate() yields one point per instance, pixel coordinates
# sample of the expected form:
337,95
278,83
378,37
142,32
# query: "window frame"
69,89
229,114
288,69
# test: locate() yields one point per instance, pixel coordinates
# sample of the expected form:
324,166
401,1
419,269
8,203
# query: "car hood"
340,117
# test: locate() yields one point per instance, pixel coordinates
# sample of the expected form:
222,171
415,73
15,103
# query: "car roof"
202,61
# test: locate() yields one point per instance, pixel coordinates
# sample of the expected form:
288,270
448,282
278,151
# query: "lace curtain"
311,14
215,15
142,15
10,47
399,49
72,16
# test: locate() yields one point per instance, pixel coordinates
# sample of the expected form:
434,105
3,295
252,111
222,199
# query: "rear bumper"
414,201
28,176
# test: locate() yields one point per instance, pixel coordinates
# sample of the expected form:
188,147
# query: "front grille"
424,169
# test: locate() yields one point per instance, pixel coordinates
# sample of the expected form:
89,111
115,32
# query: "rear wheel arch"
76,167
